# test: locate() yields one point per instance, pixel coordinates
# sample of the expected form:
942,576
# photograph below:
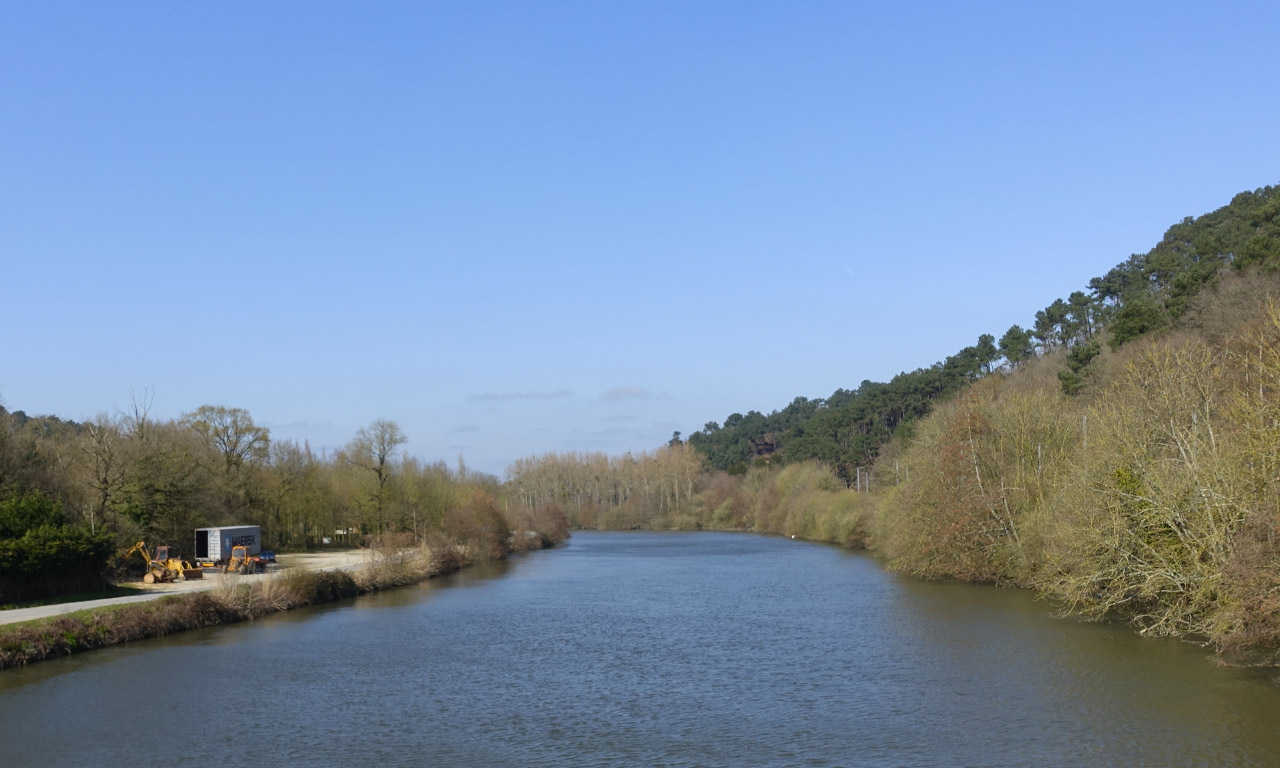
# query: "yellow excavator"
162,568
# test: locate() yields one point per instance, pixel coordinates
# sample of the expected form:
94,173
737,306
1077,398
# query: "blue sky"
526,227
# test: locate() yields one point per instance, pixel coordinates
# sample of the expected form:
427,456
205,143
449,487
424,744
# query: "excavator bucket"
192,573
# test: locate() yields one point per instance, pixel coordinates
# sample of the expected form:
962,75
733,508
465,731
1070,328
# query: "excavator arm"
141,548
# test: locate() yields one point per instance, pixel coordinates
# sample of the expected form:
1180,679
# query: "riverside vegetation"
1122,457
72,495
394,560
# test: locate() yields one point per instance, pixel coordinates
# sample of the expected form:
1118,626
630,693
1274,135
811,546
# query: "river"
651,649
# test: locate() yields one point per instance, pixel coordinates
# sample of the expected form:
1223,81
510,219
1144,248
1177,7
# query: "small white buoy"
793,535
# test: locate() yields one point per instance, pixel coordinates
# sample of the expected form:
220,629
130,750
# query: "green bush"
41,556
20,514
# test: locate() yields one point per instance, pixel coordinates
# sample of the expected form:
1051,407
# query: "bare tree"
135,419
374,449
231,432
101,446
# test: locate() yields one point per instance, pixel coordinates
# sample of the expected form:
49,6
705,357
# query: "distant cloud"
464,429
615,394
491,396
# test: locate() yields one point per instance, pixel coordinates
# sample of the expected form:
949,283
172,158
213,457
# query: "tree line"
80,491
645,490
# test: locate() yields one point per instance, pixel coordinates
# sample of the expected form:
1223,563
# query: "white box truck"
213,545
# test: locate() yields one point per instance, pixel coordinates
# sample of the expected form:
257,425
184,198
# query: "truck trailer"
213,545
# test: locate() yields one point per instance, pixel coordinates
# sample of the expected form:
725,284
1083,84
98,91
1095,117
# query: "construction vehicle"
163,569
242,562
177,565
213,545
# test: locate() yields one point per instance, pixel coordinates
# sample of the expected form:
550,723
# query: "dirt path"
315,561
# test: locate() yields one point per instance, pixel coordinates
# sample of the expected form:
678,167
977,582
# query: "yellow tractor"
162,568
241,562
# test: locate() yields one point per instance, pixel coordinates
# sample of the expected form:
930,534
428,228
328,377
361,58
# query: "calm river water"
651,649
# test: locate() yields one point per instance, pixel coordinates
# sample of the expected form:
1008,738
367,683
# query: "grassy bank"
41,639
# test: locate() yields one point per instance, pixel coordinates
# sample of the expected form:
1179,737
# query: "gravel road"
316,561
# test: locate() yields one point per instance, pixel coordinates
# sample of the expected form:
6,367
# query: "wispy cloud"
616,394
491,396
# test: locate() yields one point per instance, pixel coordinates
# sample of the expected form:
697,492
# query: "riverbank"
226,602
138,592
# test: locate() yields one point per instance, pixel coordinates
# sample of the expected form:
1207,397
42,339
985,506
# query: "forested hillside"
1145,292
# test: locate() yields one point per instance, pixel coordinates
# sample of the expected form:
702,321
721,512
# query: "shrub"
42,556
